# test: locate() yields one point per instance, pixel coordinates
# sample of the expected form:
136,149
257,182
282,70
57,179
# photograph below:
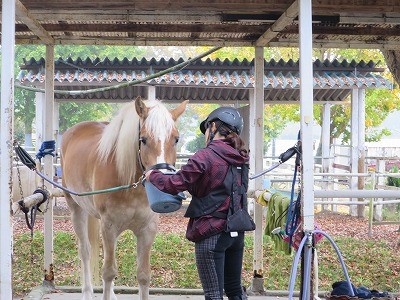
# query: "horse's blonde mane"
120,138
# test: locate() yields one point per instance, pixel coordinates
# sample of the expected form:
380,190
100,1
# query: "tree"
379,102
189,125
72,113
24,101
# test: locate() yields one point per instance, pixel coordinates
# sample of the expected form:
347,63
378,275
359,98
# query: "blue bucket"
161,202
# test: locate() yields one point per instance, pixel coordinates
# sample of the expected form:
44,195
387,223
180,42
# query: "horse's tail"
94,239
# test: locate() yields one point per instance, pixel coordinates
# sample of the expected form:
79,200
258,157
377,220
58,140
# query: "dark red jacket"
203,172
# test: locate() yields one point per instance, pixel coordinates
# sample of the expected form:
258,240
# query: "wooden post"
354,145
361,148
6,145
48,169
326,123
307,123
256,161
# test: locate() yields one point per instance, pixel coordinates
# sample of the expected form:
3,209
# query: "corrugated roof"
220,64
204,80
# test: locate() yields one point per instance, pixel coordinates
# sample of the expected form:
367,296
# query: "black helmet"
227,115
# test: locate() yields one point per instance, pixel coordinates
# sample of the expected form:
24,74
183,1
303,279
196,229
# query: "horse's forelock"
159,121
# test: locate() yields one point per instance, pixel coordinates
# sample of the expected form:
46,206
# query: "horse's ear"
179,110
141,108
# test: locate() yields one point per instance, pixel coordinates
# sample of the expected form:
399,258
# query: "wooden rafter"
25,16
284,20
131,27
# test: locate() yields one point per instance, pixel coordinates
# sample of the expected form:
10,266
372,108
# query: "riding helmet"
228,115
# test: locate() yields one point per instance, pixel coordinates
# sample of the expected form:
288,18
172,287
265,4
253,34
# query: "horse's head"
158,134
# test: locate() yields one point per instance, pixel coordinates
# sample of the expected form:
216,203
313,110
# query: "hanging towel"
276,208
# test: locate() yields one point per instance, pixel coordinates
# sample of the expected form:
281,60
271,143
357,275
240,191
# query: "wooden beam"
25,16
348,30
225,6
140,28
127,16
339,43
284,20
373,18
155,6
117,41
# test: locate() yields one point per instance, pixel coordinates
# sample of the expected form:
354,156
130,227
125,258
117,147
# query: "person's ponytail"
231,137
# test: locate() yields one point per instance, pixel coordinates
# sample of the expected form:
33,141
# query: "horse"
101,155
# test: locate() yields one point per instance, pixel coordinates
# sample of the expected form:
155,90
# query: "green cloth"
276,207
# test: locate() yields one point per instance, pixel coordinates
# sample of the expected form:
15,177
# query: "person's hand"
147,175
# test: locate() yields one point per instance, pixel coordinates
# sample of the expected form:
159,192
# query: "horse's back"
81,133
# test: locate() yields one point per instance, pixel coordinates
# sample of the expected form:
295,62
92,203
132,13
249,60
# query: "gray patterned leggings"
219,263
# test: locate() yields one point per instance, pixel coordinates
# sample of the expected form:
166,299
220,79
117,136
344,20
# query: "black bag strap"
240,190
234,203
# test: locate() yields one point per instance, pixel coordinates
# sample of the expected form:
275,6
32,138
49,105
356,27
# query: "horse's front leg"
80,224
145,239
110,268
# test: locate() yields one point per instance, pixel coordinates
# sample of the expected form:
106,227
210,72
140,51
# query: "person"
219,254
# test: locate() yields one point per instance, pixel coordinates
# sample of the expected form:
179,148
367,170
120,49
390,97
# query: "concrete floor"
77,296
70,293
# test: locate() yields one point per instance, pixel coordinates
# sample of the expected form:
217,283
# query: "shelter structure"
259,23
210,81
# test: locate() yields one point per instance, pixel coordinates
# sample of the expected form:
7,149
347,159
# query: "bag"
240,221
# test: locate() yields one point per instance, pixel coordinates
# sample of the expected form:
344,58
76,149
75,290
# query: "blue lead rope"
293,211
47,148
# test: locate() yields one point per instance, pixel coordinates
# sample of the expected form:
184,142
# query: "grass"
370,263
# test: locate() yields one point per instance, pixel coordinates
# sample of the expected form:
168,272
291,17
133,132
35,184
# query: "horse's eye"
176,140
143,140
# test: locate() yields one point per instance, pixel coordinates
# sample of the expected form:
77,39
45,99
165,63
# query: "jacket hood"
227,152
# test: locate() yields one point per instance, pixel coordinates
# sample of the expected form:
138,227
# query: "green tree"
72,113
197,143
189,125
379,102
24,101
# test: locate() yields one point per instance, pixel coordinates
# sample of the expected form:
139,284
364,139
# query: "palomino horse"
100,155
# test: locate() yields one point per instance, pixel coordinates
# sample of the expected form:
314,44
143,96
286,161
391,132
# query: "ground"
335,224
